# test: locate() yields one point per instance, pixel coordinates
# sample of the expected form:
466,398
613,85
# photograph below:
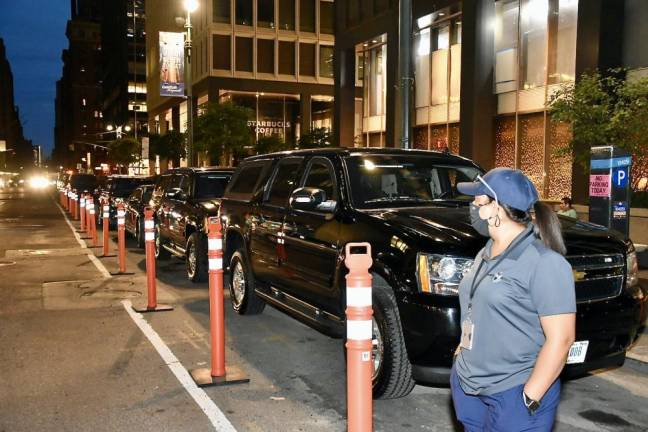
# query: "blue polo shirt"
532,281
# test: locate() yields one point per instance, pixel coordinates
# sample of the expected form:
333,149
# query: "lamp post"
190,6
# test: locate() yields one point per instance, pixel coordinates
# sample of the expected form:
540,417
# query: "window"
287,14
307,15
221,52
326,61
533,42
320,175
265,56
284,182
353,12
307,59
326,17
562,66
265,13
286,57
506,36
222,12
210,185
244,52
244,12
243,183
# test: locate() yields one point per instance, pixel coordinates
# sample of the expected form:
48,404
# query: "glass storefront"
437,72
322,112
372,69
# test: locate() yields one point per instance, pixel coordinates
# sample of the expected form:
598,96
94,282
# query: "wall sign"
171,64
599,185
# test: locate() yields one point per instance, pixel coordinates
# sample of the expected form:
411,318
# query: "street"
73,357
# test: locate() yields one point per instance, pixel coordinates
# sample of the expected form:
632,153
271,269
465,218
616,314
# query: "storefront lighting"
191,5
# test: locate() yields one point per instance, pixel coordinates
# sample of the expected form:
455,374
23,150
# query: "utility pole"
188,84
405,68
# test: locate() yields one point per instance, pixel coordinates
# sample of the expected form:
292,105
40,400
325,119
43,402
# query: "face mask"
480,225
495,218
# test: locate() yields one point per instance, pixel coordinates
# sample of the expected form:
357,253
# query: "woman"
517,310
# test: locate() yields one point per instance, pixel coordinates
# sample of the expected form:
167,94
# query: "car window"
146,196
174,182
320,175
136,195
210,185
246,179
185,183
163,184
283,182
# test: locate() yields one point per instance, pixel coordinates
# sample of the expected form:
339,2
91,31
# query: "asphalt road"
73,359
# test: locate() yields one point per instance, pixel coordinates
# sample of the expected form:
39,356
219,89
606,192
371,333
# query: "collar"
519,249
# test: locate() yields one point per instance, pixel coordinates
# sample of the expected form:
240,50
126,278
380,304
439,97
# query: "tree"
223,129
124,151
316,138
604,109
270,144
170,146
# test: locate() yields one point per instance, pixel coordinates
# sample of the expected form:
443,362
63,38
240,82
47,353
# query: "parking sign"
620,177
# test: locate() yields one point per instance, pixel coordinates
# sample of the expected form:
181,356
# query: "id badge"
467,330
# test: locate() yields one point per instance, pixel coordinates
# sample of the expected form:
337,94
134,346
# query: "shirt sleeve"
552,285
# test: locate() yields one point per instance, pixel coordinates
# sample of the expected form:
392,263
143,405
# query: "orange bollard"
219,374
87,215
359,336
67,200
151,289
82,210
71,205
121,237
93,223
75,205
106,227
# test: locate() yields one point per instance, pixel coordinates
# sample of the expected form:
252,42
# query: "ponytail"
547,226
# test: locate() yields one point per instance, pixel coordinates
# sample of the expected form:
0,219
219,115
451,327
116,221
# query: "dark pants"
504,411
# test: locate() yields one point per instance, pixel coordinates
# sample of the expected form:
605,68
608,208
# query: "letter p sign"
620,177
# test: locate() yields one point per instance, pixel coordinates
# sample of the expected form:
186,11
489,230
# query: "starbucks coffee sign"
269,127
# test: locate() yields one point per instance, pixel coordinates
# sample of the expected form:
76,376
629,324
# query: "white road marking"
211,410
102,269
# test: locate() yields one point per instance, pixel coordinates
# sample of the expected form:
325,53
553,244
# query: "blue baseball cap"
511,186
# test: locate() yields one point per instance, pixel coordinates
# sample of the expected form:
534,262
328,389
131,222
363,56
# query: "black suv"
288,217
116,189
182,199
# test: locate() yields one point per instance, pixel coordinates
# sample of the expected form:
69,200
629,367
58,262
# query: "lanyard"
478,279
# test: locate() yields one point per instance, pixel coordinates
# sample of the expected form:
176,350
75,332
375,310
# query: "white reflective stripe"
106,208
215,263
82,202
149,224
106,215
121,213
149,236
359,330
358,297
215,244
120,221
92,211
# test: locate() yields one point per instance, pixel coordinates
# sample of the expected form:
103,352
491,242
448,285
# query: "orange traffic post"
76,206
121,240
105,225
82,210
93,223
219,374
68,200
87,214
149,246
359,337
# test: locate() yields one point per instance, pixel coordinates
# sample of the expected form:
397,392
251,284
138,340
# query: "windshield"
124,184
379,181
211,185
83,181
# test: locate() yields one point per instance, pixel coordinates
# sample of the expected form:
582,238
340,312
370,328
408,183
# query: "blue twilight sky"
34,35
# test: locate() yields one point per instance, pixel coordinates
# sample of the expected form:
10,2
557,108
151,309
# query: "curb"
637,365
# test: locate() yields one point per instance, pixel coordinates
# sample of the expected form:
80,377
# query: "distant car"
82,183
182,199
116,189
135,204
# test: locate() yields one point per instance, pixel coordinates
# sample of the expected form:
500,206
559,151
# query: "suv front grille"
597,277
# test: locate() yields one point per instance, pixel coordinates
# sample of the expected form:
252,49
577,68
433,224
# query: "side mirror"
311,199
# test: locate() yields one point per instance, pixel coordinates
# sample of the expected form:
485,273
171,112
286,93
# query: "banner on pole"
171,64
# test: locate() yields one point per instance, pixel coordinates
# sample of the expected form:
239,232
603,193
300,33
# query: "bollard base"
107,256
159,308
121,274
233,375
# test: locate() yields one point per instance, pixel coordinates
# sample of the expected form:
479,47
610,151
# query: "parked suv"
288,217
182,199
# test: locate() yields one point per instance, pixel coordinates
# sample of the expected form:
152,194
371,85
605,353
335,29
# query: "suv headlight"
441,274
632,267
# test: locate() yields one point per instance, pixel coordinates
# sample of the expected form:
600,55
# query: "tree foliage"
124,151
171,145
223,129
316,138
271,144
603,109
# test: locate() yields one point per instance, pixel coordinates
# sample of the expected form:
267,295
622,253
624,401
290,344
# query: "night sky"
34,36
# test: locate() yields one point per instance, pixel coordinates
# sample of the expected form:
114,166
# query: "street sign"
620,177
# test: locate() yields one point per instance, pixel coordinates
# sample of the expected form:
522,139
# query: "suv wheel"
160,252
392,376
139,233
196,260
241,284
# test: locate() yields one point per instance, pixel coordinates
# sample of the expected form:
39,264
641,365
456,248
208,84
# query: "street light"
190,6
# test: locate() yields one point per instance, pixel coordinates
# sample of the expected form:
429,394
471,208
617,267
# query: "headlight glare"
441,274
632,268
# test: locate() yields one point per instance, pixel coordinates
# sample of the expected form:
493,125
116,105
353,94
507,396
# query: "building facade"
123,41
15,150
273,56
79,135
483,72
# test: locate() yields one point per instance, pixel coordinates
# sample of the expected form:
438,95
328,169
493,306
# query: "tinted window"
320,176
210,185
83,181
123,184
244,181
146,197
284,182
379,181
136,195
163,184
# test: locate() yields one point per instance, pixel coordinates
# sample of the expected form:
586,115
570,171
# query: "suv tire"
196,259
393,377
160,252
241,285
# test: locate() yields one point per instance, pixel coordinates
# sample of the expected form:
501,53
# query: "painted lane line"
102,269
211,410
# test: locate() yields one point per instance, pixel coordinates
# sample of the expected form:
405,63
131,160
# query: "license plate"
577,352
